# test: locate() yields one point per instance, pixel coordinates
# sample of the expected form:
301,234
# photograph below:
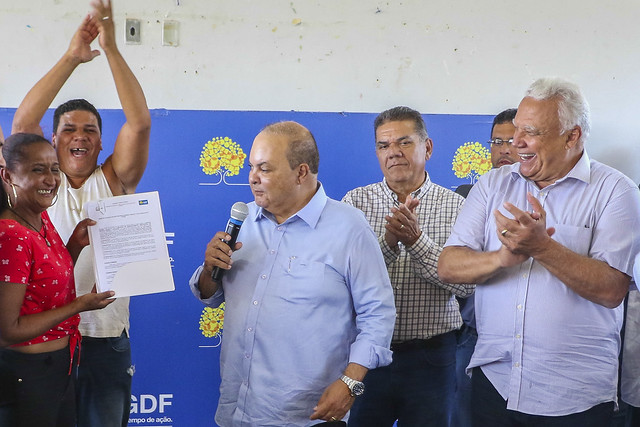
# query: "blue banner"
198,163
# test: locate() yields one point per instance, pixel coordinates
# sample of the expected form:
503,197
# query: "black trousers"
37,389
490,409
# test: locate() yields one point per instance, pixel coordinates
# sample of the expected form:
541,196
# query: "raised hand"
80,45
102,15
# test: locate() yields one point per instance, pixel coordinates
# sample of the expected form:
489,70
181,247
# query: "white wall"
442,56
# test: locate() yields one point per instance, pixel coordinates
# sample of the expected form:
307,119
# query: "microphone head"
239,211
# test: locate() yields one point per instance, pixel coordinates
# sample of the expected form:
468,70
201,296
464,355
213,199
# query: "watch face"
358,389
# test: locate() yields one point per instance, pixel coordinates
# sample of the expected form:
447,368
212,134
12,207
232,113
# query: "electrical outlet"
132,31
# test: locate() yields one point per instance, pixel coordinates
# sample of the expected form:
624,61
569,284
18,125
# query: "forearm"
389,254
74,250
424,255
35,104
590,278
355,371
30,326
132,99
458,264
131,150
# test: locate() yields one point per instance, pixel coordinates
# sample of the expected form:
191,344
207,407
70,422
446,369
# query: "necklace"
34,229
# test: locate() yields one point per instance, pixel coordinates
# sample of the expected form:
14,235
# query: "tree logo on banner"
212,321
471,160
223,157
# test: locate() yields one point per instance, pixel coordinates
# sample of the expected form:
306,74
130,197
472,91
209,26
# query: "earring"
55,199
15,196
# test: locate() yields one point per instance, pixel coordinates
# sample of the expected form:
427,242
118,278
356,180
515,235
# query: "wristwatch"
355,387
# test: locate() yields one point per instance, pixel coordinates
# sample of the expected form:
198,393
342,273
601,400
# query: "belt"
429,344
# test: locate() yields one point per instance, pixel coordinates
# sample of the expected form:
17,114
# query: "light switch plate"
170,33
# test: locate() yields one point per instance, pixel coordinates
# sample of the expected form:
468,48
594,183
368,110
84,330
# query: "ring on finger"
504,232
334,419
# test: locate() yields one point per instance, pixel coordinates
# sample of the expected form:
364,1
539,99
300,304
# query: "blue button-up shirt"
547,350
303,299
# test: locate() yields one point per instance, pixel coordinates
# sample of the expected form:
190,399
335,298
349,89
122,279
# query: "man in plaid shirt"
413,218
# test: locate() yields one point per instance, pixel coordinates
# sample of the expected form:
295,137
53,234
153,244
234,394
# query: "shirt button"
255,303
264,276
279,228
272,251
249,329
517,335
519,307
247,355
517,364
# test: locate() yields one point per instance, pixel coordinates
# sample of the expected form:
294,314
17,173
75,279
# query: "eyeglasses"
499,141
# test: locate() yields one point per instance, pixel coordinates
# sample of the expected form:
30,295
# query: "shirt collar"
581,171
310,213
416,194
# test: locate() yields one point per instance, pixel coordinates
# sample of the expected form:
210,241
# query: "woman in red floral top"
39,312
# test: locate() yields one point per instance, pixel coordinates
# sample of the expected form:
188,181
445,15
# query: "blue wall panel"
177,377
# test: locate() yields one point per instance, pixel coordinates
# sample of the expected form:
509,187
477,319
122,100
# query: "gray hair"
573,109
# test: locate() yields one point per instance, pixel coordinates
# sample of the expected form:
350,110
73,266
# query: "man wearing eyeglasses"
550,242
502,131
501,144
502,154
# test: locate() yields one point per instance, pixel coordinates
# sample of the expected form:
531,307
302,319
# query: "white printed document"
129,248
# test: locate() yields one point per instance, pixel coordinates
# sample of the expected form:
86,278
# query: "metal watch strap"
353,384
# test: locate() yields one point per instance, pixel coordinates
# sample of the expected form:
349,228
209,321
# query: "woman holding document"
39,313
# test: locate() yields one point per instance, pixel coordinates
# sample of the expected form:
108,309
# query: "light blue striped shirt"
303,299
547,350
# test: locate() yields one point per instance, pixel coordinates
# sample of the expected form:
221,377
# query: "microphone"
239,212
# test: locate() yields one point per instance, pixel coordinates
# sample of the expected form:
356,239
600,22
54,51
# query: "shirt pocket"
303,280
577,239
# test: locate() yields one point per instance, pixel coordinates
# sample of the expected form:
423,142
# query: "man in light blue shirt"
309,307
550,241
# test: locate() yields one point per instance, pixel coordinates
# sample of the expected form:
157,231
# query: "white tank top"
65,215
